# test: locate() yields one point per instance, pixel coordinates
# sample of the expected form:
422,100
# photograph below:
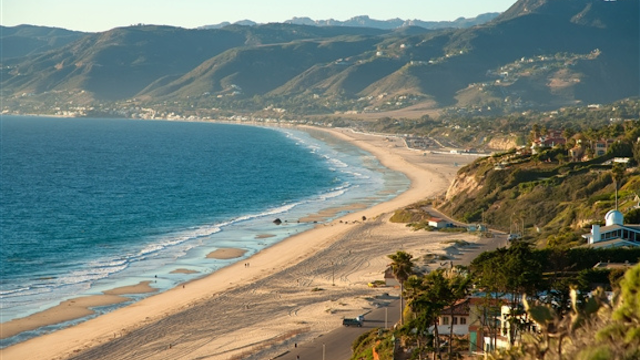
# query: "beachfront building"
438,223
389,279
614,234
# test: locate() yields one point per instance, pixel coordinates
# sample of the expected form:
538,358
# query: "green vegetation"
377,339
408,215
554,291
592,329
552,196
416,216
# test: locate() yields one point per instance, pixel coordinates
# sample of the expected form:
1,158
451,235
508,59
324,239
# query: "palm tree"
402,268
412,290
427,315
436,293
422,317
617,173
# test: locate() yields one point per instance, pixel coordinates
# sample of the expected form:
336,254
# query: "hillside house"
577,153
551,139
614,234
474,318
506,335
462,316
601,147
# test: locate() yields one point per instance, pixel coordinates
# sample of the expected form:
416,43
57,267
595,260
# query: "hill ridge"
501,65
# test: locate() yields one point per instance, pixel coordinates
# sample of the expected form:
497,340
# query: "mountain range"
366,21
537,54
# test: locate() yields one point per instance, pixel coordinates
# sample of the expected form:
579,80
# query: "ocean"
88,205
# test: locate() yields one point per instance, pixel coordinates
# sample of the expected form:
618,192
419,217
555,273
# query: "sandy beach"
293,291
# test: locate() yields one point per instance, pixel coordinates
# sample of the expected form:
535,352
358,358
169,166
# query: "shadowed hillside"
23,40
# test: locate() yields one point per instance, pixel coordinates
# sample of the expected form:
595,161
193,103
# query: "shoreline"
73,309
263,238
276,259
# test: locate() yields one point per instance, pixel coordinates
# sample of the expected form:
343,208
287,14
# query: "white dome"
614,217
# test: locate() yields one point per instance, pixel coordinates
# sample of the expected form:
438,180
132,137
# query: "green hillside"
554,199
24,40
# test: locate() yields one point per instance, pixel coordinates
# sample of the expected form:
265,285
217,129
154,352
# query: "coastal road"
337,343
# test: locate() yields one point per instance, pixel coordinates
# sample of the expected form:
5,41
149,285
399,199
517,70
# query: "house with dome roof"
614,234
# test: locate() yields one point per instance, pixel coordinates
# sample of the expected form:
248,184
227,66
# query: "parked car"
351,322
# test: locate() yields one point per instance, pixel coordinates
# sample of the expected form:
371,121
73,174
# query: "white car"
513,237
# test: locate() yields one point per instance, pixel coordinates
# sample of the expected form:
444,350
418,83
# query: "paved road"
337,343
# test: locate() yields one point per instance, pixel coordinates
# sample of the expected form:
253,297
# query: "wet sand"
331,212
224,254
72,309
184,271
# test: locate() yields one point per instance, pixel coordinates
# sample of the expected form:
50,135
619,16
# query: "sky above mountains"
102,15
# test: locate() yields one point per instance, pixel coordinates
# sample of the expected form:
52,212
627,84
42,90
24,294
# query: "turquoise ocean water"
88,205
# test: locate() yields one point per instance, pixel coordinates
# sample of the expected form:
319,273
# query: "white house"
614,233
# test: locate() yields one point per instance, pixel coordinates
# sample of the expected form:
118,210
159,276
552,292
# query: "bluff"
543,196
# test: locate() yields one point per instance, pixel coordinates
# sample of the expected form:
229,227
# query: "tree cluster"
548,290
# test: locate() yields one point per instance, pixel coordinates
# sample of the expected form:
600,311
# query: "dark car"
351,322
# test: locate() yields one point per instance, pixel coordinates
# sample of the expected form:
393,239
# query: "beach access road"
336,344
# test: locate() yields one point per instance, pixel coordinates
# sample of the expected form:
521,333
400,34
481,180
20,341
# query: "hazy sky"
102,15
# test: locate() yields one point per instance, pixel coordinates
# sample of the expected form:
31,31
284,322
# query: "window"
463,320
455,320
445,321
